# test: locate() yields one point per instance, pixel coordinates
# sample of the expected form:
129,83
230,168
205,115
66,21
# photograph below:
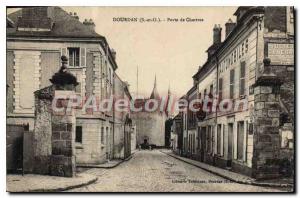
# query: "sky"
173,51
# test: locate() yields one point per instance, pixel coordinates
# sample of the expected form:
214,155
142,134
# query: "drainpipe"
113,126
216,121
124,141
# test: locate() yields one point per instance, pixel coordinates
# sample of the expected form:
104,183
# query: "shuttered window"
220,88
78,132
219,138
102,135
240,140
76,56
242,78
82,57
231,89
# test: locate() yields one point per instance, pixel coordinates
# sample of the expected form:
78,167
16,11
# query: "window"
234,56
198,138
240,140
242,78
211,89
107,133
74,57
208,137
78,134
246,46
220,88
231,84
102,135
219,139
242,49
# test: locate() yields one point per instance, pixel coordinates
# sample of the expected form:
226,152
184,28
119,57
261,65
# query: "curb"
108,167
232,179
61,189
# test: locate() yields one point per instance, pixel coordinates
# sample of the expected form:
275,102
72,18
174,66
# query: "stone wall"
151,126
42,135
54,135
91,150
266,131
63,139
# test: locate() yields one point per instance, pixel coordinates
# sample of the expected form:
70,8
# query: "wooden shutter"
231,83
82,57
242,78
220,88
64,52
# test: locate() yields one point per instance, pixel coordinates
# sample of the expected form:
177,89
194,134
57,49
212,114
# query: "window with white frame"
76,56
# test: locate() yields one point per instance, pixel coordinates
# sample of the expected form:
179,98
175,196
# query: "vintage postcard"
150,99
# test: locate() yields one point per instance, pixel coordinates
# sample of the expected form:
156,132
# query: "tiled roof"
64,26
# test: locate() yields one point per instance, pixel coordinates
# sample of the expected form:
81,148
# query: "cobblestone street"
153,171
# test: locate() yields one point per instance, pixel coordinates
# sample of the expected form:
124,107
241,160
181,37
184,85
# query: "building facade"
36,39
124,135
254,68
150,125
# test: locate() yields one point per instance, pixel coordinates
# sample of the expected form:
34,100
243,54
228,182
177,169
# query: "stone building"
36,39
253,67
150,125
124,128
177,133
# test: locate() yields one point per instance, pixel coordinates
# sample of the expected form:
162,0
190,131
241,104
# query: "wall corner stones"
266,120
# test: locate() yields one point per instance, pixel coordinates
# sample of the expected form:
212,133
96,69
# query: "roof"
154,94
64,26
250,11
191,90
241,8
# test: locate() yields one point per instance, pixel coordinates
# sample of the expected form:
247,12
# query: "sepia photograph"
196,99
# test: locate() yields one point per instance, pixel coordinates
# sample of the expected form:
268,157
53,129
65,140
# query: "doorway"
203,143
230,140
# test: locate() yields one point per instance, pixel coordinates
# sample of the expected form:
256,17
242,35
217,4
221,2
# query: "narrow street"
153,171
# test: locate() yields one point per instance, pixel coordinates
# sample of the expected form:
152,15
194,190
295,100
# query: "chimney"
90,24
75,16
114,53
217,34
36,19
229,26
239,13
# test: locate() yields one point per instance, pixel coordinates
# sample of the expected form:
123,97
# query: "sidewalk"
107,165
232,176
44,183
